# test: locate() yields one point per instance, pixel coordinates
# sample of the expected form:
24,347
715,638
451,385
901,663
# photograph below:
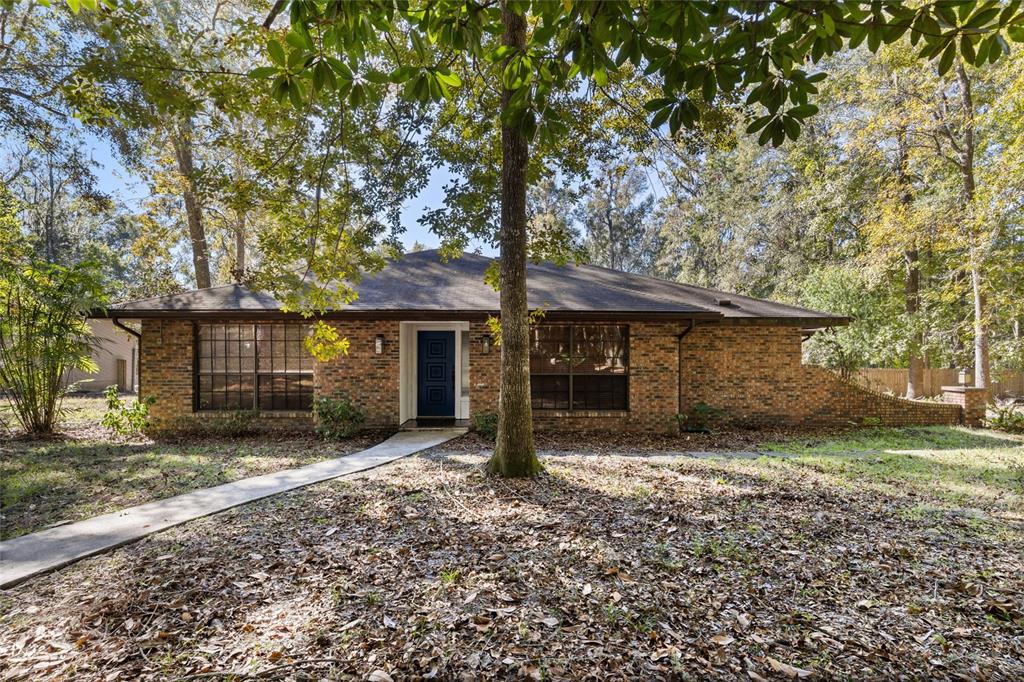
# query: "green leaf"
449,79
946,61
74,5
967,50
276,53
659,118
659,103
295,95
759,123
791,126
375,76
828,23
403,74
263,72
803,111
501,52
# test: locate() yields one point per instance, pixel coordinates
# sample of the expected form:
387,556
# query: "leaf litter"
603,568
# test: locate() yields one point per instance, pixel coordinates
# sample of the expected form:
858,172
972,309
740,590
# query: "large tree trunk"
514,453
182,141
981,364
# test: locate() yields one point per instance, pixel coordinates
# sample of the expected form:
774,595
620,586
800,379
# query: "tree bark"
514,453
239,271
981,362
912,279
182,141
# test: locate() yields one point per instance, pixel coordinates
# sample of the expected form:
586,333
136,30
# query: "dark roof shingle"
421,282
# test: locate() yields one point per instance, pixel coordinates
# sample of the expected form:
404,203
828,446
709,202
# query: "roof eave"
403,313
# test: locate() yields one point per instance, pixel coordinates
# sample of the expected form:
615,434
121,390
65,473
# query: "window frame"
255,373
570,374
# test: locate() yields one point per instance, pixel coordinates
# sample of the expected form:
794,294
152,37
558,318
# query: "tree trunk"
182,141
912,295
514,453
912,279
239,271
981,365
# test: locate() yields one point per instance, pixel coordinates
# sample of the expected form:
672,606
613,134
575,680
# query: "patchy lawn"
90,472
610,567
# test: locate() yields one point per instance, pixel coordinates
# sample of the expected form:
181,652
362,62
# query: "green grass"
955,466
43,482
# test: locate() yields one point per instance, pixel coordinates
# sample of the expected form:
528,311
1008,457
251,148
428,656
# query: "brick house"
614,351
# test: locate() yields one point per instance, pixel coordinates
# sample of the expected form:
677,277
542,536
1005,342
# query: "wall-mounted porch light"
962,377
378,344
486,345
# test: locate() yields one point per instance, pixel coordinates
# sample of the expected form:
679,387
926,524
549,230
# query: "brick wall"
370,380
973,401
653,383
751,372
754,373
165,370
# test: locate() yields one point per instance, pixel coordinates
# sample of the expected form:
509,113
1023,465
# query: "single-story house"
613,351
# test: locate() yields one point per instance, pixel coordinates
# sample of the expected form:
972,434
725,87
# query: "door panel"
435,371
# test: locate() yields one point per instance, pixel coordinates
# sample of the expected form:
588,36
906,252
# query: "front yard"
89,472
872,554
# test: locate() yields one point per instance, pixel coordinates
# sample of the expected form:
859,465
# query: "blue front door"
435,370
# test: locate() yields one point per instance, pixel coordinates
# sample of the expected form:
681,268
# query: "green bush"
230,424
486,424
1006,418
126,419
702,418
43,329
337,417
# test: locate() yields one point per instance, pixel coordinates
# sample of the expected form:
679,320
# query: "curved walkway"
35,553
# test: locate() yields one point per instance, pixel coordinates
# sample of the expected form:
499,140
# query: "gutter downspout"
136,376
679,355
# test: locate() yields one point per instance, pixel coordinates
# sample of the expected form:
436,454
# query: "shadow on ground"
612,567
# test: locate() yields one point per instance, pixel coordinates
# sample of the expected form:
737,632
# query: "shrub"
486,424
700,419
125,419
230,424
1006,417
43,330
337,417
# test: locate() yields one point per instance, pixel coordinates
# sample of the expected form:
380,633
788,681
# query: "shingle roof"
420,282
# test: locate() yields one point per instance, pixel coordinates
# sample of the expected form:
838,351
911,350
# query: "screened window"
579,367
253,367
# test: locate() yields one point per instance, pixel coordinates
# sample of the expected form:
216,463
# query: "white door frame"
407,366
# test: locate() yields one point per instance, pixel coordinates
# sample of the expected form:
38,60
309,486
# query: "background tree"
695,51
43,332
616,219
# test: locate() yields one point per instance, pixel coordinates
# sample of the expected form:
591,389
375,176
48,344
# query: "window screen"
579,367
253,366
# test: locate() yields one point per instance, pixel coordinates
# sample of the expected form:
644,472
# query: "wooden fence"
894,381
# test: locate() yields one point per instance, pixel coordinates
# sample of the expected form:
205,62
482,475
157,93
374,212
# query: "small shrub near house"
337,417
126,418
486,424
701,418
231,424
1008,417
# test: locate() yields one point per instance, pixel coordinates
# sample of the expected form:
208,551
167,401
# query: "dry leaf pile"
604,568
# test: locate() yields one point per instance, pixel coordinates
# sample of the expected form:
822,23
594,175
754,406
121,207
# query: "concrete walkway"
29,555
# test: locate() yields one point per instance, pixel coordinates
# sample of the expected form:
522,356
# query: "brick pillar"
970,399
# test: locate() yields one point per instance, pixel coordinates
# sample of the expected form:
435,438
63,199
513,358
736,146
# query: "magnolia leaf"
276,52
